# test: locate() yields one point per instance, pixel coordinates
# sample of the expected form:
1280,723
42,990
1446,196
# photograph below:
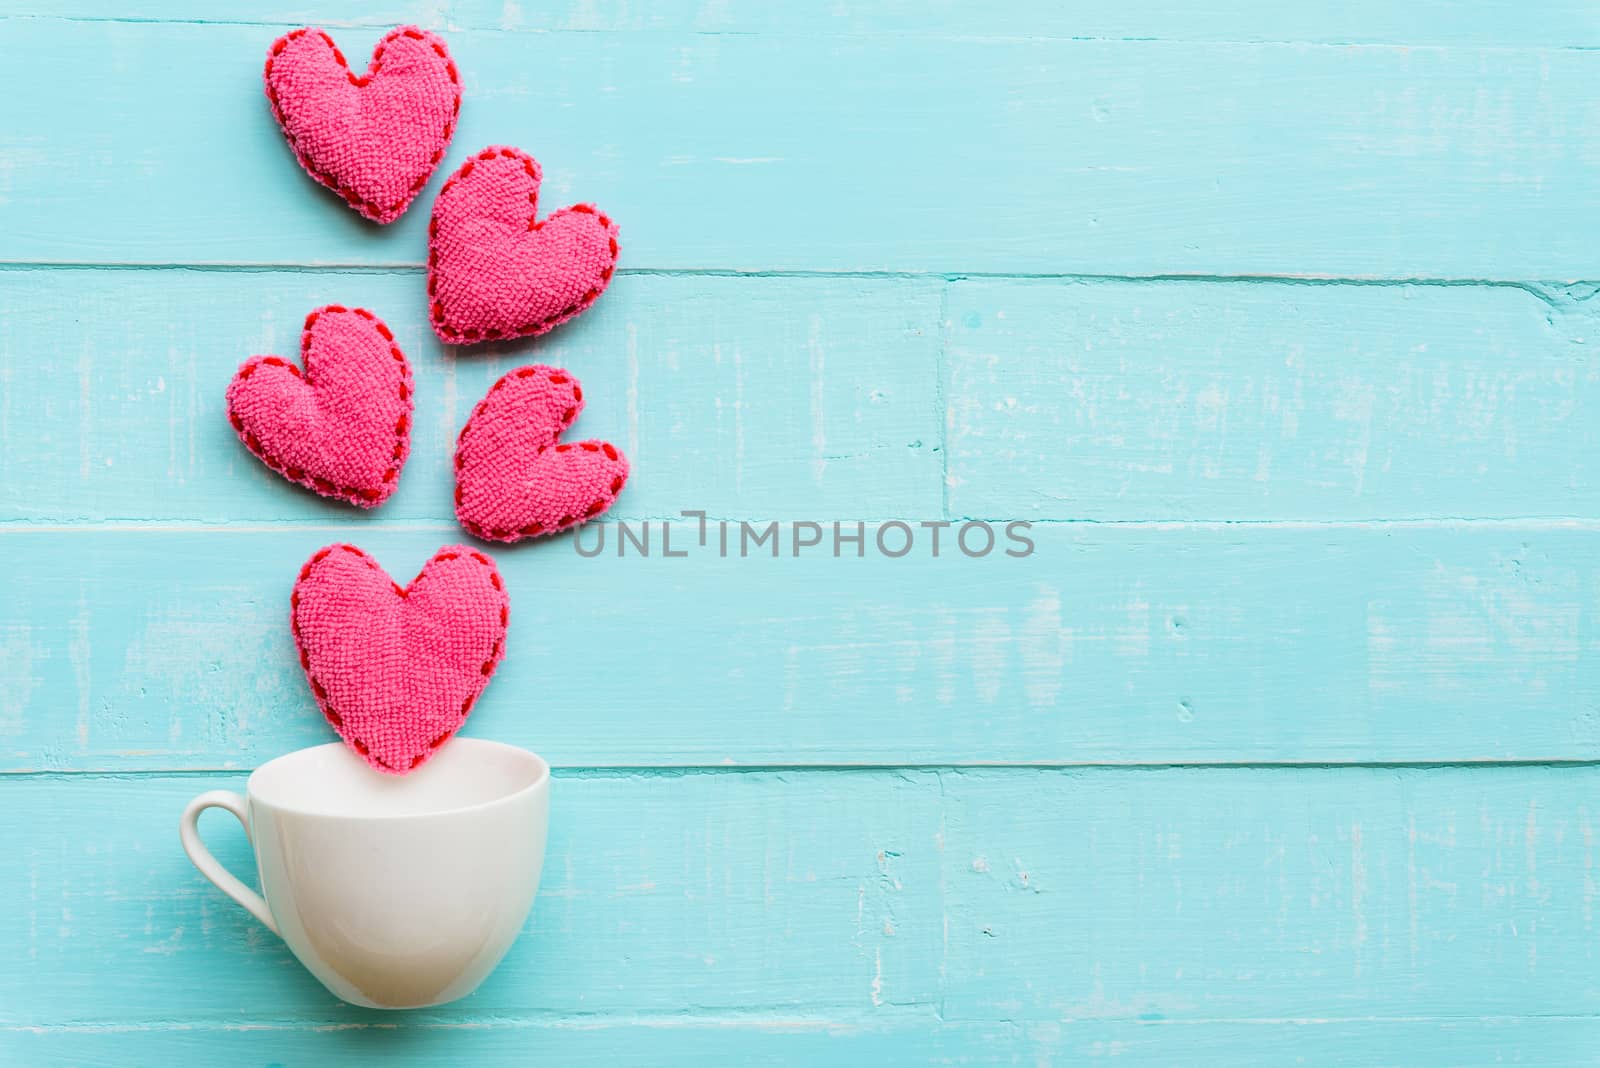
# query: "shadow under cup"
400,892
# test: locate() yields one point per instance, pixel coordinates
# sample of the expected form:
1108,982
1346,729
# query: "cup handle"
221,878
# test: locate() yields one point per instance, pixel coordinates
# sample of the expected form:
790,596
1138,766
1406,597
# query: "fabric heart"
397,670
513,480
341,428
494,270
374,139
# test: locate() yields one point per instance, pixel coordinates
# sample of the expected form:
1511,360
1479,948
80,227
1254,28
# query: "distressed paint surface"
1552,23
1202,400
1046,155
1064,896
1111,644
696,378
1275,321
910,1038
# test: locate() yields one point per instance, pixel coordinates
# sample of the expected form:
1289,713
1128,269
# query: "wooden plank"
1190,400
737,396
816,397
1487,22
750,152
1052,899
1292,893
661,893
1447,1043
151,647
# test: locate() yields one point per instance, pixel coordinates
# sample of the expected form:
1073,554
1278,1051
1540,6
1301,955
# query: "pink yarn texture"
495,270
396,671
513,480
375,138
343,426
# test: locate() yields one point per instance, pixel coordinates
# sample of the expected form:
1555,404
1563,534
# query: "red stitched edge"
361,496
378,213
486,670
600,504
449,334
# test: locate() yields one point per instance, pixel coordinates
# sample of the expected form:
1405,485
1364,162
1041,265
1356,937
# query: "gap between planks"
257,526
1547,290
442,24
751,1019
1064,767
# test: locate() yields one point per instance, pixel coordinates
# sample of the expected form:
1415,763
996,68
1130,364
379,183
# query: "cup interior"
330,780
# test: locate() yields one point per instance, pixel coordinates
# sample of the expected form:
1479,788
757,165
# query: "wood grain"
143,647
758,397
806,398
1293,712
1044,898
1203,400
1555,23
750,152
1449,1042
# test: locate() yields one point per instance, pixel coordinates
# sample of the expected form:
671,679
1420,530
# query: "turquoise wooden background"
1284,746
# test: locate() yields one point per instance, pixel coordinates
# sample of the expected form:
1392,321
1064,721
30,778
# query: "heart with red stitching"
495,270
341,427
515,478
397,669
374,138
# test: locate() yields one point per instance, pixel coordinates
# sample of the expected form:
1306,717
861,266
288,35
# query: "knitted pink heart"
373,139
397,670
496,271
512,480
343,427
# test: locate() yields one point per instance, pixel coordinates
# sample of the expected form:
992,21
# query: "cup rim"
540,781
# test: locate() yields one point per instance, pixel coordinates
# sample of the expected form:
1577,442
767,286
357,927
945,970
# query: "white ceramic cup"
395,892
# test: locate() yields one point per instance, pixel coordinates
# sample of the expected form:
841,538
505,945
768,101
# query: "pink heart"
496,271
397,670
513,480
373,139
341,428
